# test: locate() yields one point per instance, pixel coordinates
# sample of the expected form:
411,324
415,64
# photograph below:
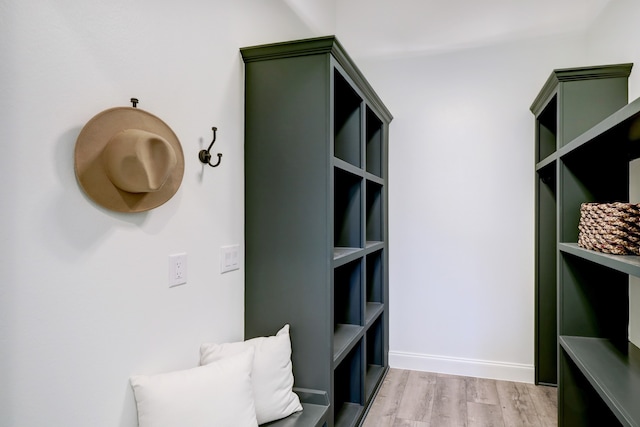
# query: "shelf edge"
629,264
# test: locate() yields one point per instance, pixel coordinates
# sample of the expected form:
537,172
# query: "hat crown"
138,161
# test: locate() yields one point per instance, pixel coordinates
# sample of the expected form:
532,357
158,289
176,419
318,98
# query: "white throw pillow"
272,374
215,395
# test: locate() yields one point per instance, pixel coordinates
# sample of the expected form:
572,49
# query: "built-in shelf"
547,129
348,385
623,122
347,121
339,253
374,212
316,143
613,372
373,245
345,337
341,165
547,161
347,414
374,143
372,311
374,355
373,178
578,159
629,264
373,376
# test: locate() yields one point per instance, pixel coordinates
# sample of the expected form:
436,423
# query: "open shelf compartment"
347,299
375,219
547,130
545,275
374,148
583,182
613,372
347,209
348,389
347,138
374,285
374,356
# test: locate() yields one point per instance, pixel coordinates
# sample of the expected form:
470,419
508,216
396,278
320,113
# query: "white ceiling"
385,27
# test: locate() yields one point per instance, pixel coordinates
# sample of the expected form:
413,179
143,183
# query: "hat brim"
90,170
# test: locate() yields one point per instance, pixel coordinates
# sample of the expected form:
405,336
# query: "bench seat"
315,410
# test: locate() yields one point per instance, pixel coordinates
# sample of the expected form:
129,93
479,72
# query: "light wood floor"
423,399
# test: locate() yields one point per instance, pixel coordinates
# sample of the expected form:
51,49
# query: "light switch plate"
229,258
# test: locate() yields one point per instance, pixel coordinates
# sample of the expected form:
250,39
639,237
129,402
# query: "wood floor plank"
385,406
482,390
450,402
484,415
517,406
545,400
417,400
422,399
410,423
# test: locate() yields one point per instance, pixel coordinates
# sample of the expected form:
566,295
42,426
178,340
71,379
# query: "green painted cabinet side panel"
287,209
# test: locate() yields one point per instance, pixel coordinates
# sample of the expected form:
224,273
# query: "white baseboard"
465,367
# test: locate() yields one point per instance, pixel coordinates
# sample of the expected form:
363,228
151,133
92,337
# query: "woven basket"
612,228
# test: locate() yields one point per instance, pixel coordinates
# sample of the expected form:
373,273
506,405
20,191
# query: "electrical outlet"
229,258
177,269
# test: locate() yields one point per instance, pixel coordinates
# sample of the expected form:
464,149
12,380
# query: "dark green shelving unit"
571,101
598,368
316,228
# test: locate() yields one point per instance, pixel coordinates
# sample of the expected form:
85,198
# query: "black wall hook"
205,155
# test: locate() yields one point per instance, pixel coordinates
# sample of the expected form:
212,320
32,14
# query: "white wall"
462,203
613,39
462,191
84,300
319,15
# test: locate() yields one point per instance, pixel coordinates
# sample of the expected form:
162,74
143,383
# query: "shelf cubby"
593,172
347,121
374,356
613,371
545,270
597,298
348,316
373,152
375,221
547,130
347,210
374,285
347,293
582,404
348,388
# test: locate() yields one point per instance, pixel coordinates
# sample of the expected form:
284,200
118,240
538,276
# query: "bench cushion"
218,394
272,374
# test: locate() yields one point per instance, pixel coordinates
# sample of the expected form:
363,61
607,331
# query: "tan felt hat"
128,160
